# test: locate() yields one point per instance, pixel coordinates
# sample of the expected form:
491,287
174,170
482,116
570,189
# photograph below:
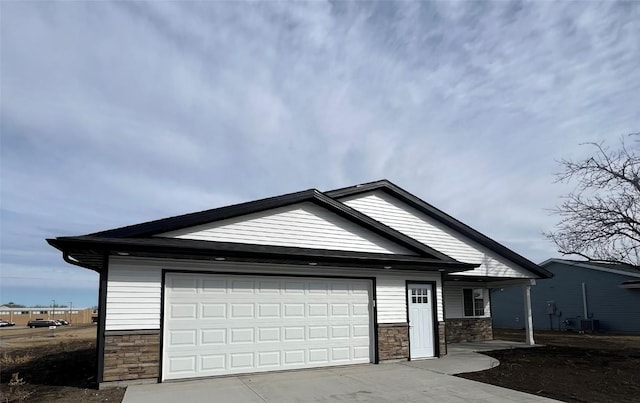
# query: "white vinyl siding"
408,220
133,298
391,297
134,287
454,301
303,225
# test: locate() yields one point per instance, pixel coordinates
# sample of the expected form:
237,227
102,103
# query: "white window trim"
485,296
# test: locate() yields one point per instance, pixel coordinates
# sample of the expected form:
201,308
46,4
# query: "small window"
473,301
419,296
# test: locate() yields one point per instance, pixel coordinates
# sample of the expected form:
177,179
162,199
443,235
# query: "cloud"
115,113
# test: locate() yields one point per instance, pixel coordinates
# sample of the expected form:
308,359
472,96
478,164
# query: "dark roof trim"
87,249
444,218
155,227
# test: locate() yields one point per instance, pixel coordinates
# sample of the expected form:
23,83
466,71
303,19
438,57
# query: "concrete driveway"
414,381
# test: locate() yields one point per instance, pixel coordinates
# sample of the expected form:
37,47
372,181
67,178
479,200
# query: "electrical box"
551,307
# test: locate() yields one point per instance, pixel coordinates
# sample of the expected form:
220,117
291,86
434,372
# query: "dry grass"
17,390
9,360
38,367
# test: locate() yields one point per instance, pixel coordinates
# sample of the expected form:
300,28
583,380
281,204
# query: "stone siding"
462,330
131,356
442,338
393,341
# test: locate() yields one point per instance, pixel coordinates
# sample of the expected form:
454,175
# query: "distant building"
580,296
23,315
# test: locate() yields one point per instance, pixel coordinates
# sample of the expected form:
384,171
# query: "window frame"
472,303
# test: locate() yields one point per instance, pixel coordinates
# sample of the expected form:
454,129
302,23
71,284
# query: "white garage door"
231,324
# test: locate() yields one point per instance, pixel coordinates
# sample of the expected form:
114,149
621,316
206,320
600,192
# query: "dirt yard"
40,365
570,367
37,365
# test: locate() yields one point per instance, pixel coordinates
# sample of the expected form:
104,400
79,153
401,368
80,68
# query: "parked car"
6,323
62,322
42,323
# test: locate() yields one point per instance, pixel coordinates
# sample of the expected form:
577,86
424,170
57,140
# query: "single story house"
582,296
361,274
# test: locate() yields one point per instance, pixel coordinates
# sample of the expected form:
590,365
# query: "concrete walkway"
412,381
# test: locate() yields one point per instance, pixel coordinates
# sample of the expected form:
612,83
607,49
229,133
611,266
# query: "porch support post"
528,317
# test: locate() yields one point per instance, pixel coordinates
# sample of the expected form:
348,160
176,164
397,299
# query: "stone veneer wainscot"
468,329
131,356
393,341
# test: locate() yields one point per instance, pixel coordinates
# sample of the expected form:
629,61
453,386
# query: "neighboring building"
580,296
21,316
362,274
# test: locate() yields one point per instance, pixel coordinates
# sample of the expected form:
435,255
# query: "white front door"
420,304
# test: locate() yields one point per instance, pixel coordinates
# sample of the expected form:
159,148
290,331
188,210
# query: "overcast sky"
118,113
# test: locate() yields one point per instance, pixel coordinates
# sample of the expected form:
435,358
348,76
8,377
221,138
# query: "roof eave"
206,250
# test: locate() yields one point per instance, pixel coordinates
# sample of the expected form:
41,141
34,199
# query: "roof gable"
174,225
305,225
441,218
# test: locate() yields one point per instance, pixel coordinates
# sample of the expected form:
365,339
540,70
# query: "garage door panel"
182,337
361,310
269,359
213,336
318,310
241,361
241,335
360,352
293,333
268,311
269,334
268,287
318,333
184,364
319,355
180,311
294,287
241,311
184,285
213,362
232,325
210,286
294,310
213,311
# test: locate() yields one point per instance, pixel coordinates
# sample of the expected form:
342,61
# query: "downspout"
528,314
102,307
584,301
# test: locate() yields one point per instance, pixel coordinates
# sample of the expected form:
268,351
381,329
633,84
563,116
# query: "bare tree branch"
600,218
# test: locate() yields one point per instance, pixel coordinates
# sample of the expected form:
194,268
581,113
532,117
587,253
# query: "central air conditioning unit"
589,325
